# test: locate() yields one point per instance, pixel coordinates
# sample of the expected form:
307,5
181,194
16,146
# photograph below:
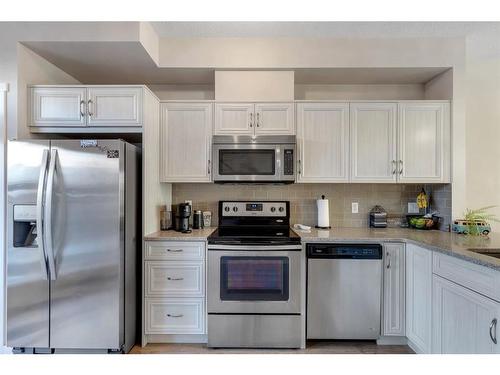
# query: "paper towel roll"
323,213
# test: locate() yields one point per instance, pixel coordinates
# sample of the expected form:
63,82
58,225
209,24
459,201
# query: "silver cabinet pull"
299,166
401,169
175,315
388,260
89,108
394,167
251,119
208,166
175,250
175,278
258,125
82,112
493,337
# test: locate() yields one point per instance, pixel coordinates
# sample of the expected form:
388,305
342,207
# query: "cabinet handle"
401,167
175,315
493,325
89,108
175,250
175,278
258,125
251,119
394,167
299,166
388,260
208,167
82,112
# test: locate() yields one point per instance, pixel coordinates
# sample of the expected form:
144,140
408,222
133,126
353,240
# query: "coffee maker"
182,215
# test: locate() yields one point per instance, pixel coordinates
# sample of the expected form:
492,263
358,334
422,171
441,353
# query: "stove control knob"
281,209
226,209
273,209
235,209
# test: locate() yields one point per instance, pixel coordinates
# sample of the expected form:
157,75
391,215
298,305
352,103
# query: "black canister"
198,220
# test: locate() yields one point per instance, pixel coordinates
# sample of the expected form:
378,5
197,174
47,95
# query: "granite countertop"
447,243
172,235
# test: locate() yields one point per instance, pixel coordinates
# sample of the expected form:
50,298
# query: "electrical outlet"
355,207
413,208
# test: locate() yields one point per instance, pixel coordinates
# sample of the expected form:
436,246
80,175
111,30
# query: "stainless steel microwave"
268,158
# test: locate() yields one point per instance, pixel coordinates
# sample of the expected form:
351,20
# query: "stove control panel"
254,209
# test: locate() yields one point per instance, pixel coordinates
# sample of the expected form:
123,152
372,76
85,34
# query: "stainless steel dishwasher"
344,287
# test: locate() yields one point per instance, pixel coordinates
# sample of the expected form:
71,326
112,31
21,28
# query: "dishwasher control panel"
344,251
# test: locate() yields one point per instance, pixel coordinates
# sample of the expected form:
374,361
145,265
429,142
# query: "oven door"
246,162
254,279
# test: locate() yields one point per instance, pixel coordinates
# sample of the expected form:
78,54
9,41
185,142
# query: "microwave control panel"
288,162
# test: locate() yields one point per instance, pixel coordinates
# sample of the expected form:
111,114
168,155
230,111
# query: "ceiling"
129,63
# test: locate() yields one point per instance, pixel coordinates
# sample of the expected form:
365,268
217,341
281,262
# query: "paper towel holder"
317,226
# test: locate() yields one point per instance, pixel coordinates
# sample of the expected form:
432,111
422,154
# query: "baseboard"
415,347
174,339
392,340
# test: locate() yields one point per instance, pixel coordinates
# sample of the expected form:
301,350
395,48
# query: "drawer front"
174,250
473,276
175,316
179,279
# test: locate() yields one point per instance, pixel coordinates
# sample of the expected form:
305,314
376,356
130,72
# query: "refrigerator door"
85,190
27,284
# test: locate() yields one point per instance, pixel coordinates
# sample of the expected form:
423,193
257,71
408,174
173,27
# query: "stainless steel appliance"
267,158
71,245
344,287
255,278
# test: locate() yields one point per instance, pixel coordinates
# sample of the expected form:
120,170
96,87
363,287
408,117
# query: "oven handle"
255,247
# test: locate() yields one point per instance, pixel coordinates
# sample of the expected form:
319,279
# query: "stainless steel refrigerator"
71,245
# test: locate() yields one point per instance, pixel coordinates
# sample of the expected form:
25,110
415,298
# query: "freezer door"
27,284
85,192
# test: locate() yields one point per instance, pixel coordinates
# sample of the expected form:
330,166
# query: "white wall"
359,92
3,141
183,92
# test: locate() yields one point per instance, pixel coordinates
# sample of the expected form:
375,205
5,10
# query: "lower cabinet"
174,305
393,323
419,298
464,322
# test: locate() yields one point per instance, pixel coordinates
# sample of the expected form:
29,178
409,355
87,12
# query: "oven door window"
254,278
247,162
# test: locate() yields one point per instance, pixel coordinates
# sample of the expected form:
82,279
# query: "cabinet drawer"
174,250
473,276
175,316
179,279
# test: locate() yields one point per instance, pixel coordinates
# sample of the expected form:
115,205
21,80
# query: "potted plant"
475,222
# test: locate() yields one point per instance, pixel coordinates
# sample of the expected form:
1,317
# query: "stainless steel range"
255,278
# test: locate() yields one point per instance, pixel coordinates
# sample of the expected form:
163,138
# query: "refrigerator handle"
39,212
48,214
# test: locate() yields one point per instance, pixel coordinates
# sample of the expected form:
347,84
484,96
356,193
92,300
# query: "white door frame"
4,88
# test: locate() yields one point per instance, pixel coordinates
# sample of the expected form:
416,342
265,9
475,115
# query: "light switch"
355,207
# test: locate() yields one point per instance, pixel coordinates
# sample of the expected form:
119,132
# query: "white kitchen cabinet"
185,142
254,119
323,142
424,142
114,106
373,142
464,322
174,316
419,298
393,323
58,106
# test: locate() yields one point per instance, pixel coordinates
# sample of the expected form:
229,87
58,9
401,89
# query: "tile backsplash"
393,197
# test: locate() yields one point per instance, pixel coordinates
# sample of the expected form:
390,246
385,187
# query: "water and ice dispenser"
24,229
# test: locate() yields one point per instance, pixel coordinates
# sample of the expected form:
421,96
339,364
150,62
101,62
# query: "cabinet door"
394,290
323,141
185,134
424,142
234,119
114,106
464,321
58,106
373,142
274,118
418,297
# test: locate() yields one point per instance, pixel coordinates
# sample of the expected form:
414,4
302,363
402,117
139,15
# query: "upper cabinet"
185,142
424,142
323,142
59,109
373,142
254,119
